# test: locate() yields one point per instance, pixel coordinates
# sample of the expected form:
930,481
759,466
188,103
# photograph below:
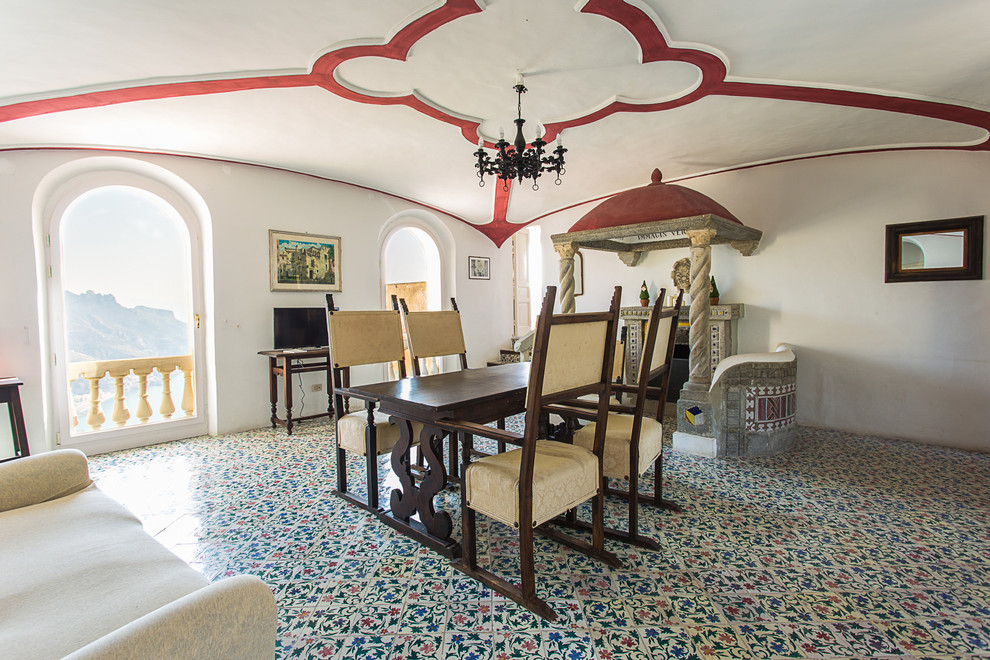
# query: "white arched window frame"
62,189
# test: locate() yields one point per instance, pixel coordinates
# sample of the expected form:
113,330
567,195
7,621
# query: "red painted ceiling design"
638,24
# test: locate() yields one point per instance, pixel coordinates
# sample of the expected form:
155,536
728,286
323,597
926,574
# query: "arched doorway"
124,291
411,270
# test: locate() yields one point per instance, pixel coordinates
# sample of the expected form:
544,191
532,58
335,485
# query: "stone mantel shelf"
630,242
726,312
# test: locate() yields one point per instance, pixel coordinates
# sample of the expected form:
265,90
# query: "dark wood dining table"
480,395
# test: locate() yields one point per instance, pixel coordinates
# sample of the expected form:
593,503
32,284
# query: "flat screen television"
299,327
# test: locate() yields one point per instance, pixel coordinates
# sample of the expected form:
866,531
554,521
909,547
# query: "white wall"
405,258
244,203
907,360
898,360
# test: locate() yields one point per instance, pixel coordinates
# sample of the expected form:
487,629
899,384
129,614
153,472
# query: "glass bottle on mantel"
644,295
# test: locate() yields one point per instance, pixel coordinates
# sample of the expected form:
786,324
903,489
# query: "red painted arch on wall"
642,28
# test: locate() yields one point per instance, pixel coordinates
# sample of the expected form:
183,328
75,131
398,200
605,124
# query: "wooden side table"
10,394
283,363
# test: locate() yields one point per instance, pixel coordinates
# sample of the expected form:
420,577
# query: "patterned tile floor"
845,547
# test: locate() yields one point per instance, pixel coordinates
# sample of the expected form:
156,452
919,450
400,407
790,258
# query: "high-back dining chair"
433,334
634,438
619,364
361,338
541,479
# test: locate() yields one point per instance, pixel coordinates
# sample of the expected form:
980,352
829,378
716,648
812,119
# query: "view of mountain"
100,328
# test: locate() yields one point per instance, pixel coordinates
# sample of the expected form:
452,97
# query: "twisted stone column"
566,252
701,270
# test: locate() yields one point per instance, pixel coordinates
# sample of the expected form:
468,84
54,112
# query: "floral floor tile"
462,587
508,615
620,645
843,547
417,647
746,608
772,640
343,592
423,617
667,642
512,645
387,590
829,606
469,616
878,605
722,642
864,639
317,648
918,603
568,645
371,647
647,611
915,638
698,610
570,616
961,634
467,646
608,614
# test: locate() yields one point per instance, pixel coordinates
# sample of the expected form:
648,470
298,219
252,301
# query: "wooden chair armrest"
578,403
348,394
586,409
567,410
462,426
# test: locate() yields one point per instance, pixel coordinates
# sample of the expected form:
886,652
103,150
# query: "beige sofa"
80,578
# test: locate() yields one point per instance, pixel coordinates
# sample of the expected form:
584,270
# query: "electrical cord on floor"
302,396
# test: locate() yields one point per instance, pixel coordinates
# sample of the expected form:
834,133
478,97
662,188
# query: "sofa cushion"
42,477
77,568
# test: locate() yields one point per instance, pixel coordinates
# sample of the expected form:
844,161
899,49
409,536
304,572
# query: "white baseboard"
694,444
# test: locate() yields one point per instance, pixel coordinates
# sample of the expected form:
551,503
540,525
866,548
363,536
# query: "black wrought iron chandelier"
515,161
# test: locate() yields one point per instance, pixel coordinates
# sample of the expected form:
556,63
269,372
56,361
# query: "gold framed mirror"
935,250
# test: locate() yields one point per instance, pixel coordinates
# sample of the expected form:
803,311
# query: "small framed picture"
479,268
303,262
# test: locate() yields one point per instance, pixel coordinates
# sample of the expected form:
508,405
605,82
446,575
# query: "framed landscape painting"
303,262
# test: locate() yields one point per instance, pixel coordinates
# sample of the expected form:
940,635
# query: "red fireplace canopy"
655,202
655,217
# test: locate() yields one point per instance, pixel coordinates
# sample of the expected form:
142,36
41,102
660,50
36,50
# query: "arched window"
123,318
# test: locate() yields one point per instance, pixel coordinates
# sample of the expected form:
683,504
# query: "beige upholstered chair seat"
351,432
563,477
618,435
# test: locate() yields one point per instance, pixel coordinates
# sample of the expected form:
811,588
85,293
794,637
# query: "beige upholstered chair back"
659,356
361,337
433,334
575,355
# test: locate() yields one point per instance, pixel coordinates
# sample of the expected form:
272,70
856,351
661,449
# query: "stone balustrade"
95,371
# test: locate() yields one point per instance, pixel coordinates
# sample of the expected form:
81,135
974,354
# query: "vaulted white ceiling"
394,94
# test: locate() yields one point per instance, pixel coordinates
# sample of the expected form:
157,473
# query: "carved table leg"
431,444
287,381
273,388
403,500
